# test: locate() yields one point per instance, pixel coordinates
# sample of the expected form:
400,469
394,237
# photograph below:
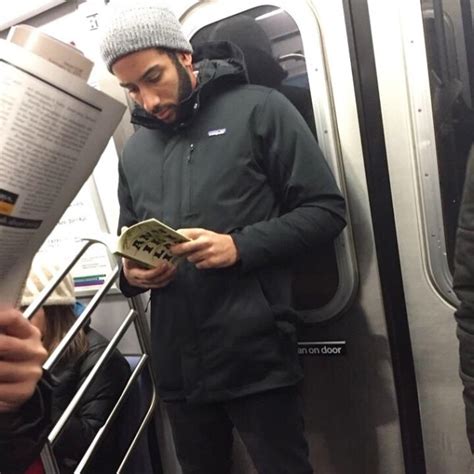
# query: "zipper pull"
191,149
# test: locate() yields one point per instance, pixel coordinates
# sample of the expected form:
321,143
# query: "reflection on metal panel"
453,118
443,125
404,74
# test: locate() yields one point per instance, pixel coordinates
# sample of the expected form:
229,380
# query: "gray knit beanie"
134,25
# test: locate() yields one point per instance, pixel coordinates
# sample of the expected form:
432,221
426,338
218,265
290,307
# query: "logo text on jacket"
215,133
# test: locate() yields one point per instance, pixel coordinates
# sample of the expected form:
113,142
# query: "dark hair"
59,318
172,54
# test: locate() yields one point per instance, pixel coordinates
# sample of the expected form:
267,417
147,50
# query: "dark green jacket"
464,288
241,162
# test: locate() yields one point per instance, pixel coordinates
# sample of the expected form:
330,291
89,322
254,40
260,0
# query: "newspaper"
55,51
54,128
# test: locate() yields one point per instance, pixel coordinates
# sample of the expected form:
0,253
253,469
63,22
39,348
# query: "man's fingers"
133,266
151,278
164,279
200,243
199,239
142,272
137,273
192,233
196,257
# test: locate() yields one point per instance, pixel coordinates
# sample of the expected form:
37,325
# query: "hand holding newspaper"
147,242
54,130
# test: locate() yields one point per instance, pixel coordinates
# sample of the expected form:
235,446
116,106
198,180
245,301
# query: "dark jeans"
269,423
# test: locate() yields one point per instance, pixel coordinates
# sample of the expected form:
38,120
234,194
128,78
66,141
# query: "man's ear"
186,59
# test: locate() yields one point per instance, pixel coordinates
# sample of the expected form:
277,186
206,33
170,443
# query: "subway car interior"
387,88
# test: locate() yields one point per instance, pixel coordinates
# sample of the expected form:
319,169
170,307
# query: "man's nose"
150,100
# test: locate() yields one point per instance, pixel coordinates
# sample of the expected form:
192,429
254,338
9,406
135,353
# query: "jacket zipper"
189,176
191,149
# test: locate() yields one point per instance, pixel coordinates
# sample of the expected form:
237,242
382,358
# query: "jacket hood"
218,64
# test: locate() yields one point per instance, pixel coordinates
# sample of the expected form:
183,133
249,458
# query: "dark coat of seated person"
53,320
25,396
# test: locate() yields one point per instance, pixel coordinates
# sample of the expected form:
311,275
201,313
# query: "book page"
54,129
149,242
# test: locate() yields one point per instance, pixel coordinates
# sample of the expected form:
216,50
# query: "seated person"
53,320
24,403
262,68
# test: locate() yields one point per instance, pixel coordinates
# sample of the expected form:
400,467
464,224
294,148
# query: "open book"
147,242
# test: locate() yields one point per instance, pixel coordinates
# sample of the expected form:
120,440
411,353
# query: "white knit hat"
140,24
41,273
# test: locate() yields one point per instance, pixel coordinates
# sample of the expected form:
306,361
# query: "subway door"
425,69
302,49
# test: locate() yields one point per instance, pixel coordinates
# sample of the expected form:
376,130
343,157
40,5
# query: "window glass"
449,38
274,56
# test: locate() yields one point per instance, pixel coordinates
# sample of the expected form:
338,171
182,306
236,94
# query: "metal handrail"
48,460
81,321
290,56
58,428
146,419
136,315
144,359
48,289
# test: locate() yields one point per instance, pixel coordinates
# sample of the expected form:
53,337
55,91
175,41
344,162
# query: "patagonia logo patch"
215,133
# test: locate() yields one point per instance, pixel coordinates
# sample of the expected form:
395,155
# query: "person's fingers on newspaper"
156,277
21,358
207,249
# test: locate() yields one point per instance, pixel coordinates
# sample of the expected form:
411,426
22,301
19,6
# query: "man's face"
155,81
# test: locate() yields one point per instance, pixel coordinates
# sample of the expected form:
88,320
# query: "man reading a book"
236,169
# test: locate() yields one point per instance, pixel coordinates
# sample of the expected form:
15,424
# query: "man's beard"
185,89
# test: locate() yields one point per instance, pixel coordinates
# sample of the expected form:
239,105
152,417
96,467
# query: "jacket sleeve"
312,209
23,433
127,218
464,288
95,406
